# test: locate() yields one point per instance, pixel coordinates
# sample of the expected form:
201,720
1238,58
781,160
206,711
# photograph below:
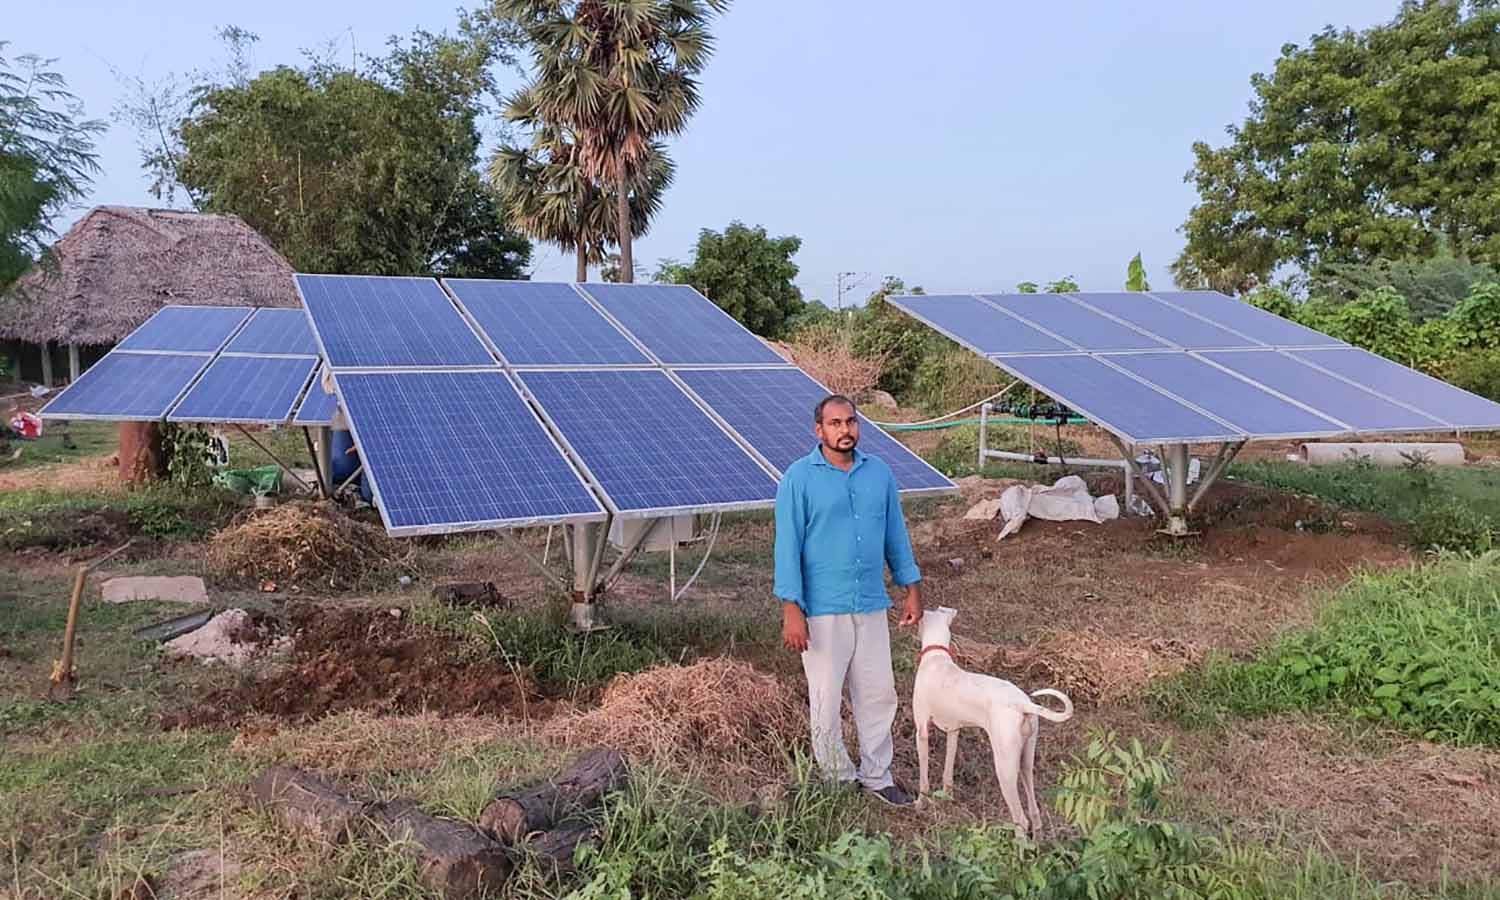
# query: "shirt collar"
818,459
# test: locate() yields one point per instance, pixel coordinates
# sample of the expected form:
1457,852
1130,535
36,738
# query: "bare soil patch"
347,658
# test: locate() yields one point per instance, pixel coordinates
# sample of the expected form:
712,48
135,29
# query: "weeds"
1413,649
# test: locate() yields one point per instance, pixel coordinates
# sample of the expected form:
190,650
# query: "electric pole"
848,281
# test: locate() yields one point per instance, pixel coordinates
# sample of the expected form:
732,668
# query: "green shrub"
186,448
952,378
1413,649
1477,371
1453,525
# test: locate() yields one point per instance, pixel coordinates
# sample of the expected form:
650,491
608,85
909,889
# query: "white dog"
950,698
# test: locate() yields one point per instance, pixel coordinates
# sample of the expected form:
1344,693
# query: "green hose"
993,420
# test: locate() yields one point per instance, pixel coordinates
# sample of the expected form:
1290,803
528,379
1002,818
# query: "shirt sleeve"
898,553
790,530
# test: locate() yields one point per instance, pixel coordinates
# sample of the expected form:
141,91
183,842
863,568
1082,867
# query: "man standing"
838,525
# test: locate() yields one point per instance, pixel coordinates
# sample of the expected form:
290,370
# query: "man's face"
839,430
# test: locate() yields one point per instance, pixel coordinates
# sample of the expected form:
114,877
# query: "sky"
970,147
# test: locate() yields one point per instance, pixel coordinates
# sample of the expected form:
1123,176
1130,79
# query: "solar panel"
534,323
246,389
379,322
977,325
275,331
1073,322
1441,400
1248,407
772,409
126,387
680,325
647,444
318,406
1113,399
186,329
1253,322
459,451
1167,322
1332,396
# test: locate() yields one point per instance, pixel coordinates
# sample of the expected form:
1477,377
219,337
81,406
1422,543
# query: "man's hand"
793,627
911,610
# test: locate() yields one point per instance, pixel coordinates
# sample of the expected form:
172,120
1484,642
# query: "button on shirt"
836,532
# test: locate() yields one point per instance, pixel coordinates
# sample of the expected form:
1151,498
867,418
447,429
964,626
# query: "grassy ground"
63,443
1267,788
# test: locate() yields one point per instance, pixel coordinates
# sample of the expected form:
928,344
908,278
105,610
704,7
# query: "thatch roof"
120,264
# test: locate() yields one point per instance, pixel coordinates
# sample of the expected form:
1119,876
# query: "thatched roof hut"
120,264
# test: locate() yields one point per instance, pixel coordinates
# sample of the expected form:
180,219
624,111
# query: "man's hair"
831,398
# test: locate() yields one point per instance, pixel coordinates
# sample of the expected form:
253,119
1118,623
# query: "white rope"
707,551
956,412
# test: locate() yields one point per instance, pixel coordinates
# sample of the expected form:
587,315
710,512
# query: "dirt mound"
367,659
714,708
305,542
1088,666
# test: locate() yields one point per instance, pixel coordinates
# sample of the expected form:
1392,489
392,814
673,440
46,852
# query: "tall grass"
1414,649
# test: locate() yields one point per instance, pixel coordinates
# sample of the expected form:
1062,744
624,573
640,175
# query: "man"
838,525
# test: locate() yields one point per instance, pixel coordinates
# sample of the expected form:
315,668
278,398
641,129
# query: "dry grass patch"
357,741
305,542
1088,666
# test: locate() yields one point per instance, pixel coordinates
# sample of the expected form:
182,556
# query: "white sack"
1067,500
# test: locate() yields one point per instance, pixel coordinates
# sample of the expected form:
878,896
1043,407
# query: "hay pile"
715,708
305,542
1087,666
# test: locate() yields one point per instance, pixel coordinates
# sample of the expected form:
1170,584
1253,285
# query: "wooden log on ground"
512,815
453,857
309,803
554,850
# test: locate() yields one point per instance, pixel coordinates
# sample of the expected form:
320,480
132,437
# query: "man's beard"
843,445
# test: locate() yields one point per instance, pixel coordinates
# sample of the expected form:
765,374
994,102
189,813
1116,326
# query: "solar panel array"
1196,366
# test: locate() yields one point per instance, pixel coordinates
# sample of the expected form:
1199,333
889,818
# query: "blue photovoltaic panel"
187,329
977,325
1439,399
1167,322
1073,322
246,389
646,443
540,324
378,322
318,406
1329,395
280,331
454,451
773,410
1113,399
1238,402
1248,320
127,386
680,325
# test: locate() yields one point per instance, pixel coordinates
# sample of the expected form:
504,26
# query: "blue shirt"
836,532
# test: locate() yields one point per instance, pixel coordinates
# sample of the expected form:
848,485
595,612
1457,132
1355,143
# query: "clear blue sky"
958,145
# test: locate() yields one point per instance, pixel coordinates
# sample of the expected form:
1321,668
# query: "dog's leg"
1028,776
923,723
1006,746
950,747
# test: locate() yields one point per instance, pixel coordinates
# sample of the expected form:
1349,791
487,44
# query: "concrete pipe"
1383,454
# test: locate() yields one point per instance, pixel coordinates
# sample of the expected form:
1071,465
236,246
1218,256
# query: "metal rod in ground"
627,555
1153,493
561,582
312,453
1227,453
350,480
274,458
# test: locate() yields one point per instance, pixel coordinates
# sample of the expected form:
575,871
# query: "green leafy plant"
189,455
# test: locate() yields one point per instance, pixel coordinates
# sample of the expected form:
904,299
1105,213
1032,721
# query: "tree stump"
453,857
512,815
140,452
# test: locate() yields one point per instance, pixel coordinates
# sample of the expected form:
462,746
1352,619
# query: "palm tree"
617,74
547,195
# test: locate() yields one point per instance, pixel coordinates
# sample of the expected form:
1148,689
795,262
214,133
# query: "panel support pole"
588,550
1176,459
323,454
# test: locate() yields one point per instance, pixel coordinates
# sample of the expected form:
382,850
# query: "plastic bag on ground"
1067,500
260,480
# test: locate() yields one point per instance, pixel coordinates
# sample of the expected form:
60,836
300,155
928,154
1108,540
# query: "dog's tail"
1048,714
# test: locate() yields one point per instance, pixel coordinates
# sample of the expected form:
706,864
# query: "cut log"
452,857
512,815
554,850
309,803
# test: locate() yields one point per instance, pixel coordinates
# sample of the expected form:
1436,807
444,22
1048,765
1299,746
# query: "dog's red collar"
930,647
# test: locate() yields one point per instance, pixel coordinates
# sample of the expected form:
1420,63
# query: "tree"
1433,286
1064,285
1359,146
46,158
1135,275
747,273
618,75
369,172
549,197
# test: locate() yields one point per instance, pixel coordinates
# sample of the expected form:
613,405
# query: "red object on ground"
26,425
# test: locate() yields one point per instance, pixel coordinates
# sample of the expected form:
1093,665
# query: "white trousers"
859,647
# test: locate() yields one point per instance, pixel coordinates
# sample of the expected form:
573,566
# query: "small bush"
1477,371
1413,649
1453,525
953,378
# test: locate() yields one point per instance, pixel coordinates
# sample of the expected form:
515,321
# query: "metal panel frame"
653,512
317,377
462,527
